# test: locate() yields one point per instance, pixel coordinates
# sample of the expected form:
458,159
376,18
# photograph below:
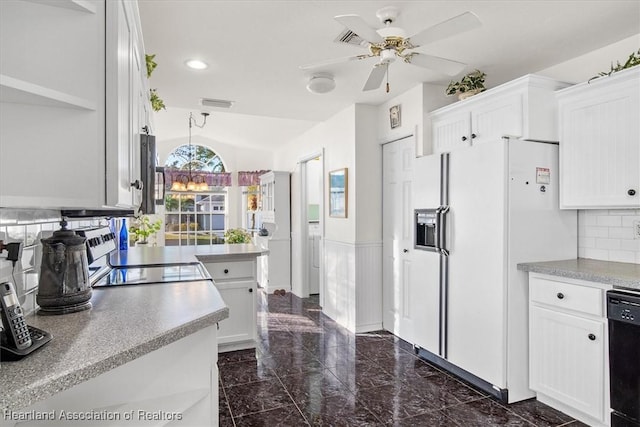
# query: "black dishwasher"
623,311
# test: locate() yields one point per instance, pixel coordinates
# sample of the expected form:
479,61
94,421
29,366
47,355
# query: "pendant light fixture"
184,183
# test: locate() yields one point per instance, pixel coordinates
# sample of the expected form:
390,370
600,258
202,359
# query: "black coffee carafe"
64,285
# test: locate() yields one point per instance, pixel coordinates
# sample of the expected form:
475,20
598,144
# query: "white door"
397,235
477,244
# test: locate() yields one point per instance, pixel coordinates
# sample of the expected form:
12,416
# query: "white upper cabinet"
523,108
56,146
600,142
125,65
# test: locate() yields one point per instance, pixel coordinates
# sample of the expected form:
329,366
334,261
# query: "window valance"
247,178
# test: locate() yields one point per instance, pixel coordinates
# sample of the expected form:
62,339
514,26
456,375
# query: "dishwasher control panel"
624,306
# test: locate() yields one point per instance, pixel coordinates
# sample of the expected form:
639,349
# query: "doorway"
311,225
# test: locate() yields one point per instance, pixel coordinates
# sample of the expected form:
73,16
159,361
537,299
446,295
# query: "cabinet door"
241,323
490,120
567,359
451,131
123,71
599,149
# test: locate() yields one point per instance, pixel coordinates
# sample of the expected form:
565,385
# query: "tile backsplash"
608,235
28,227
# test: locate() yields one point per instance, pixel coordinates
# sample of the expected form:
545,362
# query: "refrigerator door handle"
441,225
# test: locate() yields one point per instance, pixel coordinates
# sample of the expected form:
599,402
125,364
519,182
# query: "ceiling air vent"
217,103
349,37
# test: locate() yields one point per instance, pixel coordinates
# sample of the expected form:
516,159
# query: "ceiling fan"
390,43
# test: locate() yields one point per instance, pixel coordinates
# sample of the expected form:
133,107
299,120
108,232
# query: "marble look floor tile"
307,368
428,419
340,411
296,367
285,416
233,374
361,374
310,389
482,413
257,397
392,402
237,356
538,413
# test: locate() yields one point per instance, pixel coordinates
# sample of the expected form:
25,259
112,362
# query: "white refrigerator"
497,206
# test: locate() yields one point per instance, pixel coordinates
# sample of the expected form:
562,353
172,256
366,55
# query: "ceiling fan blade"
333,61
356,24
375,77
456,25
441,65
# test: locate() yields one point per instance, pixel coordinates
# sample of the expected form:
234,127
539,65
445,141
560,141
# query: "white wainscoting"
352,285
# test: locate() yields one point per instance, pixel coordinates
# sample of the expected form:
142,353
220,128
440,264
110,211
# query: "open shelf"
21,92
79,5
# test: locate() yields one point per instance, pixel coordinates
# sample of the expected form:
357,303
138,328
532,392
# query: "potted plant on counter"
237,235
142,228
469,85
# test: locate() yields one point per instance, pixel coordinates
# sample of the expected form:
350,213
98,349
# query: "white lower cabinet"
174,385
568,347
236,282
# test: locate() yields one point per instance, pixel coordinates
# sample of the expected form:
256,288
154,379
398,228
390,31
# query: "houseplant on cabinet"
469,85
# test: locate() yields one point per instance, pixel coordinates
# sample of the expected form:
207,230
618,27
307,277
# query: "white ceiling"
255,48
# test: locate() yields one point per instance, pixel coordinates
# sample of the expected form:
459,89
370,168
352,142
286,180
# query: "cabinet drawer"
567,296
231,270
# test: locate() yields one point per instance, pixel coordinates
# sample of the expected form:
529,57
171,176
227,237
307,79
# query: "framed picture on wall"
338,193
394,116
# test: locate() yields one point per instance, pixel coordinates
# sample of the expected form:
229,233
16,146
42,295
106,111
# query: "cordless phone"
17,339
15,328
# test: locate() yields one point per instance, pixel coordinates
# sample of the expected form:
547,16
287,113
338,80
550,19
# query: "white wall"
602,234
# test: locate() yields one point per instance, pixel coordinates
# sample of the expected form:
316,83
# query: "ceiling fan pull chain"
387,77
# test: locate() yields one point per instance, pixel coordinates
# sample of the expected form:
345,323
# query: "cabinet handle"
560,295
405,250
226,271
250,290
137,184
464,138
631,192
473,135
592,337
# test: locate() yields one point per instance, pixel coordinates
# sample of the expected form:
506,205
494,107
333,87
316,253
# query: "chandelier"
191,182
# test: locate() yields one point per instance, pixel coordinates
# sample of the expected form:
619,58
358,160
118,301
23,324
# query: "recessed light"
196,64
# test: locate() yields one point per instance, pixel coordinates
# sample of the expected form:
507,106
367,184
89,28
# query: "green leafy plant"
151,64
237,235
142,228
473,81
632,61
156,103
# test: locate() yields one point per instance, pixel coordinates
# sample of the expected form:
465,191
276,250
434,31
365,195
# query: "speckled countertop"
184,254
619,274
123,324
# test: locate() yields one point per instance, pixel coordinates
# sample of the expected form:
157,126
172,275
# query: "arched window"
199,157
194,217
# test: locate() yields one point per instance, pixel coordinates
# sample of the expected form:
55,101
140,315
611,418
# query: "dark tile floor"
307,370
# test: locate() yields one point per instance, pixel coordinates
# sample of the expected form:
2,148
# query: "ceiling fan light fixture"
321,83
